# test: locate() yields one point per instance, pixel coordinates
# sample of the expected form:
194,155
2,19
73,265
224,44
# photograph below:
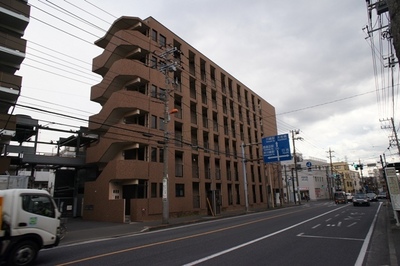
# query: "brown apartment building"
160,95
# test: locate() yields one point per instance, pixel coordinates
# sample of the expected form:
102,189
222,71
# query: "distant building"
153,81
312,179
356,179
341,177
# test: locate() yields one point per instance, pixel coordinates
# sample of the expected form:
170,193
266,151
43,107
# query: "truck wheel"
23,253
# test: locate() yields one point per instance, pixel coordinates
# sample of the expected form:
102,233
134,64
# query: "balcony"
14,21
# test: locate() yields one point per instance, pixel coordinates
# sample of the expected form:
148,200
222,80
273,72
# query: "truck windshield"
38,204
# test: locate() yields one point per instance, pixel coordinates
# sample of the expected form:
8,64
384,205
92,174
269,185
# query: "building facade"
171,116
14,18
312,179
342,177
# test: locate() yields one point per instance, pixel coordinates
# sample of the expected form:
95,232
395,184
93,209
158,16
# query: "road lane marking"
327,220
350,225
339,224
352,218
364,247
177,239
255,240
315,226
330,237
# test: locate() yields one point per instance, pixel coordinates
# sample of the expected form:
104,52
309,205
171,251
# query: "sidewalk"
384,247
393,237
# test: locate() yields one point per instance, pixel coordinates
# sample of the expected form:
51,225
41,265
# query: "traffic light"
358,166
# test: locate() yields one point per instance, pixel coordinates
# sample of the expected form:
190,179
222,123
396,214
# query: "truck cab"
340,197
29,221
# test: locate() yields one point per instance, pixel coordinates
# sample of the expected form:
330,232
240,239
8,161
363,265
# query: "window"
153,156
162,94
154,35
130,154
163,41
38,204
135,120
153,91
153,190
153,62
162,124
161,156
154,121
179,190
135,154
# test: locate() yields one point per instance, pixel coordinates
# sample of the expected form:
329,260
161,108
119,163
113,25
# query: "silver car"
361,199
372,196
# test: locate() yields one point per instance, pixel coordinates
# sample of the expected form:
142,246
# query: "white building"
312,178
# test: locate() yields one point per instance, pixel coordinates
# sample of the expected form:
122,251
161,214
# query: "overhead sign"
276,148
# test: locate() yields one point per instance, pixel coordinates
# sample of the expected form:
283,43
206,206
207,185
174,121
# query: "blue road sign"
276,148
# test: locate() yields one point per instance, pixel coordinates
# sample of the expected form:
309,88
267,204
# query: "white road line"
339,224
315,226
350,225
327,220
329,237
255,240
364,247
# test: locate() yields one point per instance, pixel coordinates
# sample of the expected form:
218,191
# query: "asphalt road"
314,234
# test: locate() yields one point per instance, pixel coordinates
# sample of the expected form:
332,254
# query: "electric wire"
197,68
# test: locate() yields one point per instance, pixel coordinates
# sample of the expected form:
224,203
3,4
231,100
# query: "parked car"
382,195
340,197
349,197
372,196
361,199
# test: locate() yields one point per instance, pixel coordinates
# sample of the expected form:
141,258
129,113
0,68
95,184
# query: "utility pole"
244,160
396,139
294,188
295,160
395,135
287,185
330,179
246,197
169,66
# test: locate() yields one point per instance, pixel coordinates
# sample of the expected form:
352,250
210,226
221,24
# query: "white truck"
29,221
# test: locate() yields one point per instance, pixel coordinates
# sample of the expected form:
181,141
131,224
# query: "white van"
349,197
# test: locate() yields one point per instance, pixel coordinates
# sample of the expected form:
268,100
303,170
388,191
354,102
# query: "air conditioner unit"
135,146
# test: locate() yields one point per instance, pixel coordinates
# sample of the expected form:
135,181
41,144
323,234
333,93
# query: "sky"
310,59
